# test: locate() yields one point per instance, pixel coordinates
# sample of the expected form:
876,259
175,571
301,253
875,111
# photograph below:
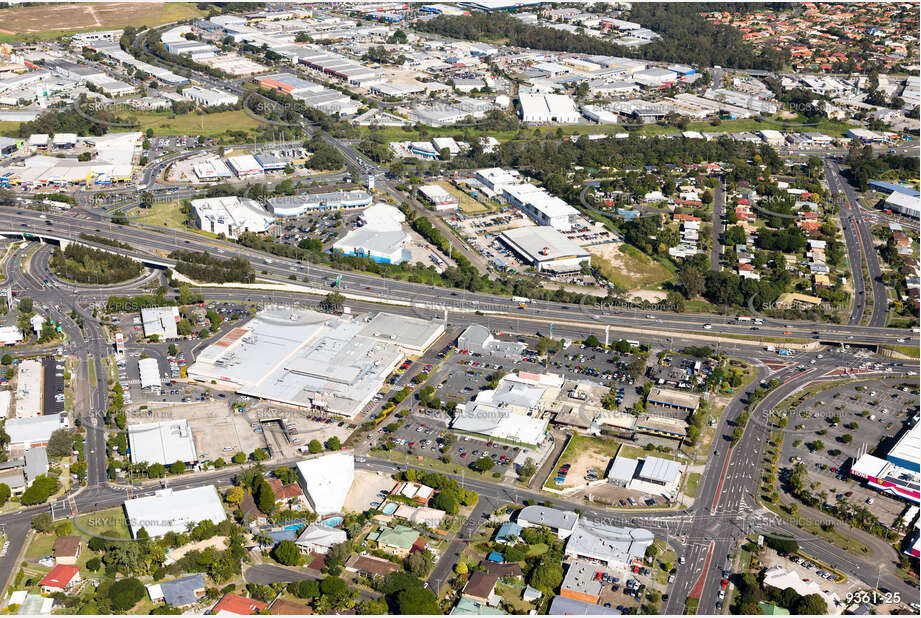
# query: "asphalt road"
719,211
853,221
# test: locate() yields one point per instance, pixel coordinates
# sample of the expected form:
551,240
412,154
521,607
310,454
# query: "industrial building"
381,237
326,481
666,400
477,339
149,372
545,249
160,322
31,432
171,510
164,442
209,97
29,389
245,166
903,204
580,582
288,84
541,206
230,216
513,411
438,197
297,205
608,545
313,360
543,108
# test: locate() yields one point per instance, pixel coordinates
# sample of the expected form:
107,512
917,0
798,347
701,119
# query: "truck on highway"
743,319
521,300
784,352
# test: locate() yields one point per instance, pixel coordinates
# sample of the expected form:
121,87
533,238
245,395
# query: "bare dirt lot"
365,490
24,20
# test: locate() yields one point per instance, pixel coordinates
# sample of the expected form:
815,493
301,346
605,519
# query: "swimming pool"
390,508
332,522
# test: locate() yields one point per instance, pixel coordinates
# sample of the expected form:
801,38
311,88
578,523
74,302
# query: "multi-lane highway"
152,244
859,241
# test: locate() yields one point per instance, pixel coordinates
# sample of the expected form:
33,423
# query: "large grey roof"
608,543
661,470
36,462
550,517
181,592
564,606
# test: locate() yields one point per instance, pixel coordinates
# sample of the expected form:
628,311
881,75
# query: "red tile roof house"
62,578
283,493
241,606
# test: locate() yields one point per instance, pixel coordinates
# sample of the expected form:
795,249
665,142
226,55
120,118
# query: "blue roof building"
891,187
495,556
508,532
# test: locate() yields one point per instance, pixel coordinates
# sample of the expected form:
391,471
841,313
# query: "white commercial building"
169,510
608,545
558,108
230,216
545,249
10,335
542,207
245,165
326,481
164,442
160,322
381,237
314,360
438,197
208,97
296,205
149,372
29,389
904,204
26,433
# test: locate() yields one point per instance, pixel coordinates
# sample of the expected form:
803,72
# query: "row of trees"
202,266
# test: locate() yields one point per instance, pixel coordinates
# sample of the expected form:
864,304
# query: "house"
62,578
251,512
797,301
67,549
470,607
398,540
318,539
769,609
480,586
509,532
284,493
180,593
241,606
370,566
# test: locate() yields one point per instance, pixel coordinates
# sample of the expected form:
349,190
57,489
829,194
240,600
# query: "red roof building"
241,606
62,577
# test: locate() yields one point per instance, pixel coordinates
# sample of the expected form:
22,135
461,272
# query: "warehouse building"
230,216
170,510
380,238
476,339
580,583
612,546
288,84
326,481
209,97
539,205
438,197
27,433
245,165
297,205
662,399
160,322
164,442
562,523
149,373
545,249
313,360
904,204
543,108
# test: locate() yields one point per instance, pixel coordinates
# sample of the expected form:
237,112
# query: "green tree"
335,590
417,600
811,604
238,458
125,593
288,553
483,464
177,467
308,589
547,576
314,447
43,523
4,493
333,444
156,471
260,454
6,360
42,488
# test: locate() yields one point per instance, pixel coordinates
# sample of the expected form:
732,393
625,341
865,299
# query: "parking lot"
53,395
844,419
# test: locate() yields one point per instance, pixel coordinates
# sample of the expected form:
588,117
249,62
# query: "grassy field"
40,546
206,125
907,350
49,21
693,482
634,269
162,213
111,523
469,205
634,452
